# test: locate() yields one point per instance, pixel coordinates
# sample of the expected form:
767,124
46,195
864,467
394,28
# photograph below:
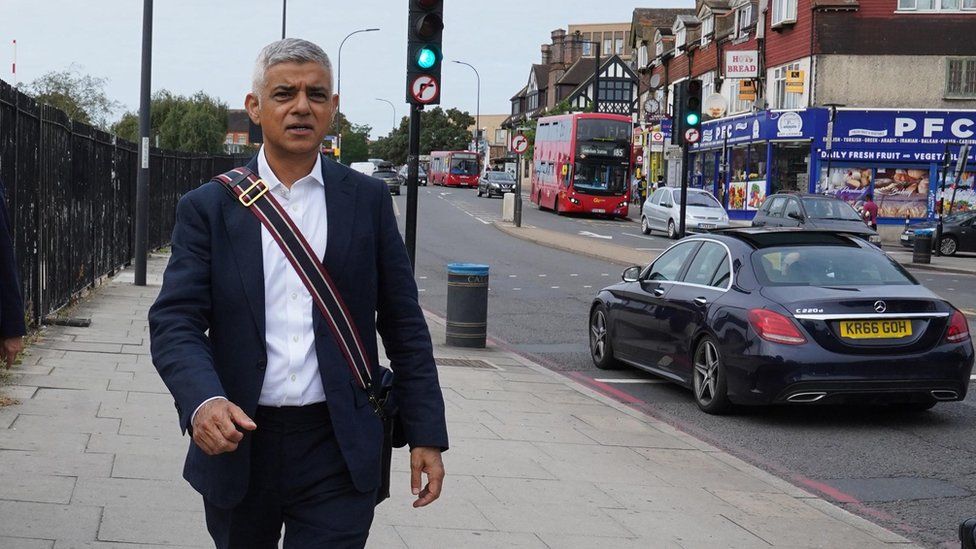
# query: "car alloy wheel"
948,246
600,349
672,230
645,228
709,379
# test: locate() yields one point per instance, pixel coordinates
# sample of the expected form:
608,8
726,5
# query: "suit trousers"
298,479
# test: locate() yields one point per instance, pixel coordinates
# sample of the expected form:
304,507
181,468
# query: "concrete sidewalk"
625,256
91,458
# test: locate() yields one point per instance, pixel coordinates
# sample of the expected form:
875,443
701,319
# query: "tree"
440,130
193,124
81,96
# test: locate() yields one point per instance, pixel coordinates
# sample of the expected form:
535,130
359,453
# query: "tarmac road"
913,473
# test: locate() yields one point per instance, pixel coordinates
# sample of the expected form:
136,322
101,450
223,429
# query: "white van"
364,167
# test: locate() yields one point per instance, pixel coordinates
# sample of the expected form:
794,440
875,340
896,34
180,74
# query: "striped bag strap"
252,192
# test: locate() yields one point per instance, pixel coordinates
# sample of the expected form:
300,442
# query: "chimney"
558,46
546,54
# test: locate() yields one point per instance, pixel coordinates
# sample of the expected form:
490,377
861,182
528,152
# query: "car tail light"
958,328
775,327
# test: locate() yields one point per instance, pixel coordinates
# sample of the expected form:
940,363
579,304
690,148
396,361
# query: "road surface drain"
466,363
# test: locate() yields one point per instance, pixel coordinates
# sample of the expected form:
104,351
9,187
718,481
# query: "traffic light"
687,110
425,26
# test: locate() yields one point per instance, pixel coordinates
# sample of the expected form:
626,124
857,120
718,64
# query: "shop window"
709,166
784,12
960,78
790,168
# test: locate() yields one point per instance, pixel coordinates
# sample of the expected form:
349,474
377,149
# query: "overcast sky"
210,45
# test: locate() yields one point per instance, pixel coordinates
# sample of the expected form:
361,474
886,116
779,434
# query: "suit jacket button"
262,364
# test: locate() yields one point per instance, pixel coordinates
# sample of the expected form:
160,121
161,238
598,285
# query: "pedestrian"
13,328
870,211
265,377
660,182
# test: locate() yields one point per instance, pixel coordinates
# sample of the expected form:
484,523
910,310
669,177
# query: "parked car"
390,177
662,212
492,183
958,233
421,175
364,167
784,316
813,212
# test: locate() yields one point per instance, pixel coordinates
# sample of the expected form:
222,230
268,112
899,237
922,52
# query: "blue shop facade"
894,154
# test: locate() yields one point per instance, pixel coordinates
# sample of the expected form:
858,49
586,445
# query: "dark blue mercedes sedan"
784,316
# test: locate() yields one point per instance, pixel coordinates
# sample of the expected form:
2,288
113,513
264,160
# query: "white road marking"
542,276
423,278
554,287
574,274
604,274
483,221
516,289
421,290
951,289
512,276
972,377
594,235
587,286
641,236
630,381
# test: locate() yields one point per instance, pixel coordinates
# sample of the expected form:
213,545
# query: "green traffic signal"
692,118
426,58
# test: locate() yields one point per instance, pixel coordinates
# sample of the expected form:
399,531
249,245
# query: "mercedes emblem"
880,306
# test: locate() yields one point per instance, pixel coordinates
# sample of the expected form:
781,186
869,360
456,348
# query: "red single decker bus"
454,168
582,164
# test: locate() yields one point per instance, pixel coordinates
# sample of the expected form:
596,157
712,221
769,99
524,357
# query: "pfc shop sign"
742,64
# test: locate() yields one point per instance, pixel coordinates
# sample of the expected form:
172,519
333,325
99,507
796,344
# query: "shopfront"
741,159
897,157
894,155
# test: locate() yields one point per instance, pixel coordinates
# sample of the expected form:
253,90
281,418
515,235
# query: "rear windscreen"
827,266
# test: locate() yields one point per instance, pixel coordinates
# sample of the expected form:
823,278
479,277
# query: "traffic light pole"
413,159
685,171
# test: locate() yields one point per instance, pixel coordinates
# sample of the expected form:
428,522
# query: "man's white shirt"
292,375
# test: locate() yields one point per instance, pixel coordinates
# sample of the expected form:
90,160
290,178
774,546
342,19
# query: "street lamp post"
596,71
284,11
339,80
392,106
477,124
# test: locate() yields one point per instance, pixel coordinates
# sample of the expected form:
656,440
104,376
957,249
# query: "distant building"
237,137
495,136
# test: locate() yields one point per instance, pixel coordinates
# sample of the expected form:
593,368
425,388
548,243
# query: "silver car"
662,212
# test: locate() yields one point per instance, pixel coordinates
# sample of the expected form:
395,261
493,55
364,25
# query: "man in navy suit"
282,435
12,326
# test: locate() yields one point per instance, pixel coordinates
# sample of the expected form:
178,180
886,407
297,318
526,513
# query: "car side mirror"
797,216
631,274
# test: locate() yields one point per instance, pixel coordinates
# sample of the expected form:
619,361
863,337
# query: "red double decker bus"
582,164
454,168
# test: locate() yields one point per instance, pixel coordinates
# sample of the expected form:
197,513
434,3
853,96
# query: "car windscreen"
827,266
464,166
600,178
596,129
501,177
383,173
703,200
829,208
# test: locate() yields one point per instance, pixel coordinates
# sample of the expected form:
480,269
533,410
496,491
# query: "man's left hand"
9,349
427,461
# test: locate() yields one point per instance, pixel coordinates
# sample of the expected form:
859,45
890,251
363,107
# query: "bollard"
467,305
922,250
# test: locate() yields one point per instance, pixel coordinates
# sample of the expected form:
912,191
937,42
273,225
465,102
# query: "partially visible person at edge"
12,325
282,436
870,211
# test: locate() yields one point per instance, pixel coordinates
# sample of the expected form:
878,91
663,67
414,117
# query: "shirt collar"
271,180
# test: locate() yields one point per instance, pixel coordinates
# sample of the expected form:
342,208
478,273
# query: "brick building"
892,81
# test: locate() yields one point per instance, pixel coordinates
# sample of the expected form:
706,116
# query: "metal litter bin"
922,250
467,304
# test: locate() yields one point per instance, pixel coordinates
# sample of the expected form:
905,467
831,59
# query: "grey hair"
288,50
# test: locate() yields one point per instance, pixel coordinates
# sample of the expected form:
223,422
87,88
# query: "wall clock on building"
652,106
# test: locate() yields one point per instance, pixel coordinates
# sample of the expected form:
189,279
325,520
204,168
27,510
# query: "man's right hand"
215,426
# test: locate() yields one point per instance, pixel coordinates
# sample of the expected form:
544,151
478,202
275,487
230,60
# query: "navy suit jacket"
11,304
215,281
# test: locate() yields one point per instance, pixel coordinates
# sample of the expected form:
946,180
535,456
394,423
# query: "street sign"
692,135
657,137
424,89
520,144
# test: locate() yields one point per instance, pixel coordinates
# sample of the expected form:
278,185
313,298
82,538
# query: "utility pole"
284,12
142,178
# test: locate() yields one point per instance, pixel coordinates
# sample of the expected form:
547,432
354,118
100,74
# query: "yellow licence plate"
875,329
